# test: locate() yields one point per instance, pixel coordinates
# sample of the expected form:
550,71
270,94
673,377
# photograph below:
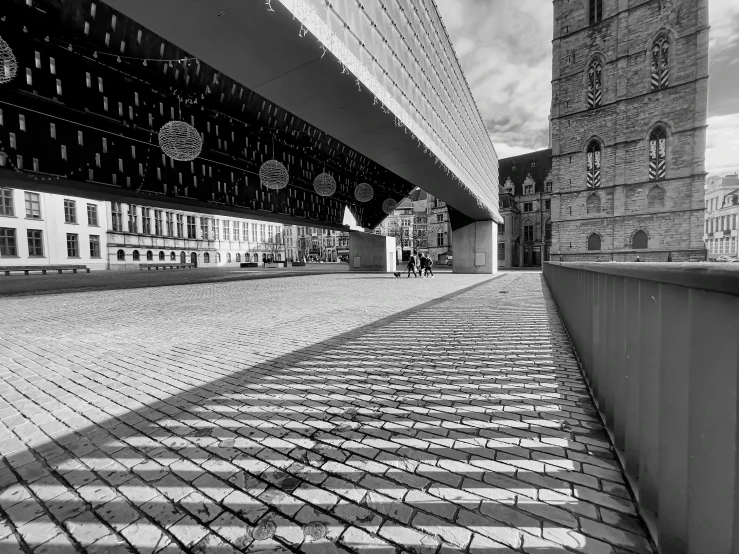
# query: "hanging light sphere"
273,175
8,63
364,192
389,205
180,141
324,184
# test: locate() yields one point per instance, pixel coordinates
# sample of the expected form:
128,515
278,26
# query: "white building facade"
722,212
43,229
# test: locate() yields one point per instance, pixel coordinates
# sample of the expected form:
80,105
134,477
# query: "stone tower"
629,94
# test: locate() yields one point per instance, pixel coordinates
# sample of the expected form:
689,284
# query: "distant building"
722,210
318,244
525,237
38,228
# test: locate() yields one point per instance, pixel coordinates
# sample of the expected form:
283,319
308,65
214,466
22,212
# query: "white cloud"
722,148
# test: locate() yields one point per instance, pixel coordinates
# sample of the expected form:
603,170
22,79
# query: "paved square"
324,413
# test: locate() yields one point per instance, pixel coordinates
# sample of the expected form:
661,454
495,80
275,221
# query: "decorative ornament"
8,63
389,205
324,184
180,141
363,192
273,175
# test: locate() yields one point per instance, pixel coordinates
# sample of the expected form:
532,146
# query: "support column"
370,252
476,247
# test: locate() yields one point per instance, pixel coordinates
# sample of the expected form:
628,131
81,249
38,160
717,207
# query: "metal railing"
659,346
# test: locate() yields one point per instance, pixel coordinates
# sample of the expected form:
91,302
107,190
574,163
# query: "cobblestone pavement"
317,414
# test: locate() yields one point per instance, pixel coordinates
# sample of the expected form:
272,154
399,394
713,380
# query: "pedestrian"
412,266
669,257
421,265
637,259
429,263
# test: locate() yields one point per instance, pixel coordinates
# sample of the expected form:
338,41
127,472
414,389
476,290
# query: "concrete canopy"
262,50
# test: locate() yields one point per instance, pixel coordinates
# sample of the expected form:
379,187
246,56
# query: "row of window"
721,223
659,74
639,241
33,207
171,224
716,202
725,245
136,256
657,165
35,237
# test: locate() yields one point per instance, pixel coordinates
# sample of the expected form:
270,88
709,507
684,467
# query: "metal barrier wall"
659,346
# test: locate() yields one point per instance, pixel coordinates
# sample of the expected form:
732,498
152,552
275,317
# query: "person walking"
421,265
429,263
412,266
669,257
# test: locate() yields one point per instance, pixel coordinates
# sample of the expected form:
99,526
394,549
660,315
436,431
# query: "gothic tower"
629,94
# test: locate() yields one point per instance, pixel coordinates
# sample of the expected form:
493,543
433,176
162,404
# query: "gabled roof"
519,168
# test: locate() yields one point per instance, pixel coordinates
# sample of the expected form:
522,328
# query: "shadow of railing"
479,434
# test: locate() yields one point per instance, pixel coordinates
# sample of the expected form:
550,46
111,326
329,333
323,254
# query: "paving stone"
235,530
409,538
454,534
201,507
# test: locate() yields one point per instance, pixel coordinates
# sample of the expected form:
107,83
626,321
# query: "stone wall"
630,110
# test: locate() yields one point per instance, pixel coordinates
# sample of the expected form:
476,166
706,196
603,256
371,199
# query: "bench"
43,268
165,266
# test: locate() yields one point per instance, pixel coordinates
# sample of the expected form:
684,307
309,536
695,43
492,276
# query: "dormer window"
533,163
596,11
528,189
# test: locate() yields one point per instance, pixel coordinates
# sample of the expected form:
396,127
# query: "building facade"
525,237
38,228
628,129
722,211
318,244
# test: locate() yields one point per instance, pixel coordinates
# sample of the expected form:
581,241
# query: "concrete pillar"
476,248
370,252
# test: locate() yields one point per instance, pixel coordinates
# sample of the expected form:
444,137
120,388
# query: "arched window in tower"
595,84
657,154
596,11
594,160
660,64
639,240
594,242
656,197
593,204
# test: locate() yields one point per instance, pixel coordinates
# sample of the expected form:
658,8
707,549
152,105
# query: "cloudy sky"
505,49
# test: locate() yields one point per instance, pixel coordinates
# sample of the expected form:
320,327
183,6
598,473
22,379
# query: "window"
146,221
528,230
593,204
218,257
117,217
73,246
595,85
548,186
180,226
170,225
70,211
254,232
94,246
656,197
660,64
528,189
133,219
639,240
439,238
439,218
33,205
121,256
172,257
216,229
228,257
594,242
596,11
158,222
6,202
528,206
161,256
501,228
245,227
35,243
206,258
594,159
149,256
191,228
236,230
238,258
204,227
657,154
136,257
226,230
547,204
261,233
548,230
501,251
8,245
